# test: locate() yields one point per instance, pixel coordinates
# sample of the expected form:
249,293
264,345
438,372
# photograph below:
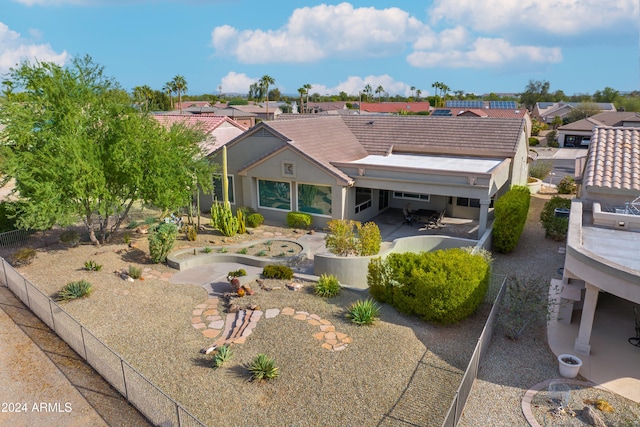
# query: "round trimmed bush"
328,286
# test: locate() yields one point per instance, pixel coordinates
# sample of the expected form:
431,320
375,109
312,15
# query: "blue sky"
478,46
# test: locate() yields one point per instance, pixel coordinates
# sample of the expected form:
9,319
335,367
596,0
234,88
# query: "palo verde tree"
78,149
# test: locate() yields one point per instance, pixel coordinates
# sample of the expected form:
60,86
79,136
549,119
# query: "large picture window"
314,199
410,196
274,194
217,188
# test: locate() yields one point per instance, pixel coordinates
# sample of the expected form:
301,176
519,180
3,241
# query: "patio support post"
484,215
582,345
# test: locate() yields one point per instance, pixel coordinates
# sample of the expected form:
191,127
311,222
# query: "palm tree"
445,91
307,88
301,91
265,81
168,87
179,85
368,90
380,91
413,88
418,93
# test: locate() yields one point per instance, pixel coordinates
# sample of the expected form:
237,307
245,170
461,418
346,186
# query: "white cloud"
484,53
237,82
314,33
561,17
354,84
15,49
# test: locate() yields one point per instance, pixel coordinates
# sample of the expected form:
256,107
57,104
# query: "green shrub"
207,250
255,220
150,220
533,141
74,290
341,238
328,286
70,238
567,185
555,227
443,286
223,354
161,240
91,265
369,239
132,225
237,273
22,256
192,233
243,251
224,220
263,367
553,144
135,272
540,169
551,137
223,250
510,212
7,216
363,312
298,220
275,271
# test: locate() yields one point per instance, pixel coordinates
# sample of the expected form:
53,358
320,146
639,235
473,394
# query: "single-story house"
504,113
260,111
603,240
219,129
394,107
578,134
354,167
545,112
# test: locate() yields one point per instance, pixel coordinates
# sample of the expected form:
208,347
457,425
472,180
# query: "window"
217,188
410,196
274,194
363,199
464,201
314,199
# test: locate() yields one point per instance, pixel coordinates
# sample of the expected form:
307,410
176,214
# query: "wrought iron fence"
14,238
159,408
496,291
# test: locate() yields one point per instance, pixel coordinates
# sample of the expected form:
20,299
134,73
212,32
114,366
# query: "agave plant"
224,353
74,290
363,312
263,367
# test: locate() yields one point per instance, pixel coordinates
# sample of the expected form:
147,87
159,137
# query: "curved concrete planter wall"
352,270
174,261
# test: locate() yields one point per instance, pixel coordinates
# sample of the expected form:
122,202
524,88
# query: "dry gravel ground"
398,372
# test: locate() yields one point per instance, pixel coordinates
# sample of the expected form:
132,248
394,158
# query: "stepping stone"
339,348
288,311
347,340
325,321
340,335
210,333
218,324
196,320
319,335
313,322
302,312
213,318
331,342
300,317
327,328
212,312
271,313
330,336
327,346
196,312
315,317
199,325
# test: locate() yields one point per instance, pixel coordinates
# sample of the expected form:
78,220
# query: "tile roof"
611,118
472,136
223,128
394,107
613,159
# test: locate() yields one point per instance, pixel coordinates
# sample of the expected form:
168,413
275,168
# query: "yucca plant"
91,265
263,367
224,353
74,290
363,312
328,286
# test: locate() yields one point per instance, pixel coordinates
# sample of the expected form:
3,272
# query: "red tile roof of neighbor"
395,107
490,112
613,160
209,124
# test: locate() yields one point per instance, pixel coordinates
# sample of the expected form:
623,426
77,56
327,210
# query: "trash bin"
561,212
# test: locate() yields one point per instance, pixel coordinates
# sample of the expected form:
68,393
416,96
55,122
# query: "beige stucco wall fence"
352,270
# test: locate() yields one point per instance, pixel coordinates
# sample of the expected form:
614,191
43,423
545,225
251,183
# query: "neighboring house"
191,104
603,241
503,113
578,134
259,111
354,167
219,129
546,111
480,104
394,107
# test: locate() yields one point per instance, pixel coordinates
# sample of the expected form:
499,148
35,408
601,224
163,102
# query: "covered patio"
392,226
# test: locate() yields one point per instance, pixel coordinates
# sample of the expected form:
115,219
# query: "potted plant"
569,365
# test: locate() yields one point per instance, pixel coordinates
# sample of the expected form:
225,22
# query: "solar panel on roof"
442,113
458,103
504,105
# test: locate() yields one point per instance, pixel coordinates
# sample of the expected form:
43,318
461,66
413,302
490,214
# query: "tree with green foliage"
179,85
380,91
608,94
582,111
536,91
265,82
77,149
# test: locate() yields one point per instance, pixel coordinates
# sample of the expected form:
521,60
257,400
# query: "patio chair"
408,219
636,340
436,221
